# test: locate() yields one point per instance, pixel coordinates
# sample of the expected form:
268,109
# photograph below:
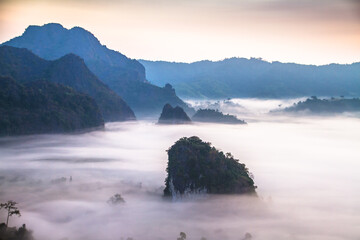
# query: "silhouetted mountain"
315,105
52,41
176,115
70,70
214,116
125,76
195,166
44,107
240,77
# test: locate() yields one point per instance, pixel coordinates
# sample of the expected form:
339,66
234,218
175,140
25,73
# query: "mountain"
315,105
52,41
255,78
123,75
176,115
44,107
214,116
195,166
70,70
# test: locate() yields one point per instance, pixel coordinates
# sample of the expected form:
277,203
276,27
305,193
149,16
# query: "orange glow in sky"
310,32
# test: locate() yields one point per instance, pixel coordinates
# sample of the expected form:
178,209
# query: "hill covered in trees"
123,75
176,115
44,107
215,116
255,78
195,166
69,70
315,105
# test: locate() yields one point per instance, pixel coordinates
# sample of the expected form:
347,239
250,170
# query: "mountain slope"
125,76
70,70
240,77
44,107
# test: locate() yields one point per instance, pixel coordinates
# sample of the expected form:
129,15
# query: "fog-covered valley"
306,170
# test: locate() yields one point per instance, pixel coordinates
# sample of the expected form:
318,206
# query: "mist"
306,170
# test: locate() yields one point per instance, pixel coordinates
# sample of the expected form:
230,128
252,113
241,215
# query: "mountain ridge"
125,76
243,58
255,78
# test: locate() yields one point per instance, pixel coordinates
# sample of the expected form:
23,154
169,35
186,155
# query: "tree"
247,236
116,199
10,207
182,236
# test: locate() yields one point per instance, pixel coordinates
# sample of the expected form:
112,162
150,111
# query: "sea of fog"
306,170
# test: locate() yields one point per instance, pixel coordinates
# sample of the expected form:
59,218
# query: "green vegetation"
214,116
195,166
44,107
71,71
334,105
174,115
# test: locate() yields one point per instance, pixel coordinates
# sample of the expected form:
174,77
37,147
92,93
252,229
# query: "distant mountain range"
254,78
123,75
70,70
315,105
44,107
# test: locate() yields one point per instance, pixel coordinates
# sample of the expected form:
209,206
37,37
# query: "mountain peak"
53,26
83,32
124,75
52,41
48,27
71,57
80,29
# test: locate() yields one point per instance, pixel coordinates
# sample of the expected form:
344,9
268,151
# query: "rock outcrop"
174,115
195,166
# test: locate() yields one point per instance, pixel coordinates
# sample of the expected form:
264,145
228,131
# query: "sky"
302,31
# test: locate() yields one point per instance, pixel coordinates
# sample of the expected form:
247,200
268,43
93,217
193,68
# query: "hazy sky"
303,31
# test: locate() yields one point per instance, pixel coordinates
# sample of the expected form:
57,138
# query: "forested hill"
70,70
44,107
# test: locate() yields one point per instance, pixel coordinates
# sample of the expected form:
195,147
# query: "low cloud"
306,170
